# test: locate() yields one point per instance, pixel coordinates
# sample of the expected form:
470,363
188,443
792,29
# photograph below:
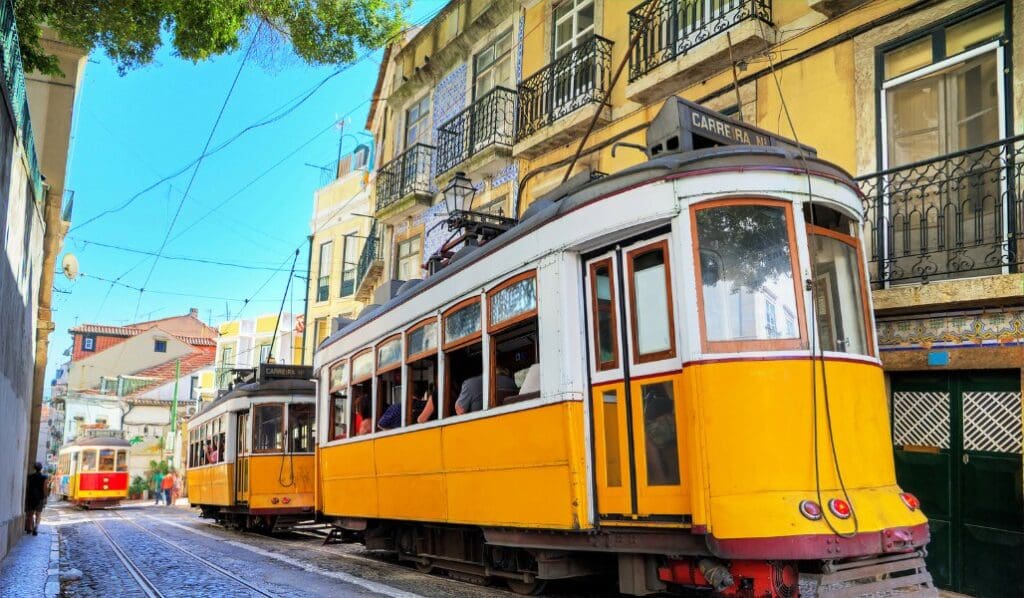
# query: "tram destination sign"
682,125
273,371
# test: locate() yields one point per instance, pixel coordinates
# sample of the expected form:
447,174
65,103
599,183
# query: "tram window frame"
308,435
256,445
463,343
742,346
104,453
338,393
119,466
359,383
412,362
855,243
613,323
634,333
520,324
385,378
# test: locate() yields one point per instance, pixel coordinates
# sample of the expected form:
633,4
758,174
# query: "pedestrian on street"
36,492
167,484
158,489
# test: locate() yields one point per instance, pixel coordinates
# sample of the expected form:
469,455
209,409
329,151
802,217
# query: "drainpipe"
53,237
305,305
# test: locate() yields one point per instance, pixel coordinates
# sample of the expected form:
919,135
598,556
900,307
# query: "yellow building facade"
919,101
345,251
248,342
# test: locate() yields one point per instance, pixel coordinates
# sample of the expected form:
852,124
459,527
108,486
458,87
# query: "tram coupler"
747,578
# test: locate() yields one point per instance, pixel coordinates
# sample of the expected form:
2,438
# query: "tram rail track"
145,584
200,559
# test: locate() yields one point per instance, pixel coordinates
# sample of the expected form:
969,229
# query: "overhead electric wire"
182,258
115,282
199,163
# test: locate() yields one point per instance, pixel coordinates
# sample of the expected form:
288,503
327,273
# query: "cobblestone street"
146,551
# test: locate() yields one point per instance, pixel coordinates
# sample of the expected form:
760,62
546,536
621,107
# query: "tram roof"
259,389
569,197
99,441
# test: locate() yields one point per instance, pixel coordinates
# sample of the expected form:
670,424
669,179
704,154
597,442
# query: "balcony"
482,132
557,92
370,267
407,178
670,29
953,216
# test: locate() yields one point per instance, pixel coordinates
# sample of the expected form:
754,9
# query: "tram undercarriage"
526,560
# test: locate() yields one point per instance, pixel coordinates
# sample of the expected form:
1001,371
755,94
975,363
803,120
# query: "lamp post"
478,227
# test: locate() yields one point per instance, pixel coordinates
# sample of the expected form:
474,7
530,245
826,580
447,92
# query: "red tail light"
910,500
810,510
839,507
286,500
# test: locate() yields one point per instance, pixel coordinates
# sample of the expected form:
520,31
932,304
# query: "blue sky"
133,130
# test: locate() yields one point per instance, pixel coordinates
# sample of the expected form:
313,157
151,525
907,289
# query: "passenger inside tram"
422,376
515,352
389,399
465,369
362,413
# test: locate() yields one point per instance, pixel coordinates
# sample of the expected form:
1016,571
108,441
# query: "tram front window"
88,461
107,459
267,428
838,293
748,290
122,461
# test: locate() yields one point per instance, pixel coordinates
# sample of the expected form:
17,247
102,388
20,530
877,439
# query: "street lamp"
478,227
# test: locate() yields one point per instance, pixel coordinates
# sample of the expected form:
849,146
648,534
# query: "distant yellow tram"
251,452
93,471
669,372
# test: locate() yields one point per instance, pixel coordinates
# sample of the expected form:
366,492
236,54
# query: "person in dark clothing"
36,491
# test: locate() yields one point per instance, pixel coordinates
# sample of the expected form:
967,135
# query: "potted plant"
137,487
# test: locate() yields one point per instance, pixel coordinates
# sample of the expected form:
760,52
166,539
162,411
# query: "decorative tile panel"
992,422
985,329
920,419
449,99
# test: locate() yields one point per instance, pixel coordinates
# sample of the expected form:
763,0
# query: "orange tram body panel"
93,472
668,373
251,452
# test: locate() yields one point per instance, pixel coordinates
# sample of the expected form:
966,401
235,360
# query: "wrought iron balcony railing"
671,28
953,216
410,172
369,255
575,79
14,85
488,121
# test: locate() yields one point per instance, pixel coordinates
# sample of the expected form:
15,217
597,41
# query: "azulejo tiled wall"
449,99
996,328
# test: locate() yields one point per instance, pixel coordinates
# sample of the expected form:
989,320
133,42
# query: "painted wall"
133,355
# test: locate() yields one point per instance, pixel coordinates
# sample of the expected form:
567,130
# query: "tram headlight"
840,508
910,500
810,510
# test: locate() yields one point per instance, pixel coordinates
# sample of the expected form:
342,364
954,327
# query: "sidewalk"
32,568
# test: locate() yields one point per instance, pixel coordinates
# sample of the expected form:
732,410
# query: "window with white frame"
349,263
417,122
492,66
407,259
323,288
573,22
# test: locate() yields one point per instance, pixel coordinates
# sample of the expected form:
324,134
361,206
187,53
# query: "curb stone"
52,588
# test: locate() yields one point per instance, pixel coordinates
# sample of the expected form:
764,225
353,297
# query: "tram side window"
512,322
746,265
464,359
88,461
267,428
607,347
389,385
362,386
219,438
300,427
338,402
122,460
421,372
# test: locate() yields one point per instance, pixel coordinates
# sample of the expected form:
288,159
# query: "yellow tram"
679,382
92,471
251,455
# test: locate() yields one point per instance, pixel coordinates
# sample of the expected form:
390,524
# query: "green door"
957,440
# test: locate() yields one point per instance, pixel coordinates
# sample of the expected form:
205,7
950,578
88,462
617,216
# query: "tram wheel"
424,567
527,588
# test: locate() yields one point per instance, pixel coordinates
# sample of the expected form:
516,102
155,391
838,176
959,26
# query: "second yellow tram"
251,452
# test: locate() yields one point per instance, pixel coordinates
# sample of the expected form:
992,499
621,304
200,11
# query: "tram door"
242,458
635,386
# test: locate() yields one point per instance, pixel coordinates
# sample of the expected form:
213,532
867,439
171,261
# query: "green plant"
155,467
138,486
